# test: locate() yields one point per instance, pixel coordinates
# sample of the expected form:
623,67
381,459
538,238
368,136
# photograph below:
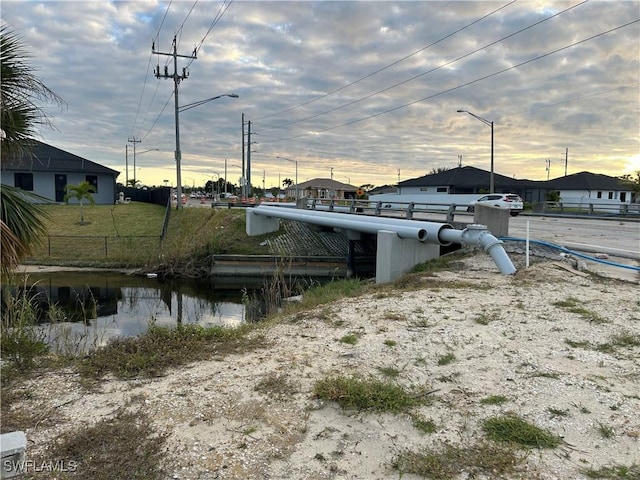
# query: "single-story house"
47,170
324,188
593,187
472,180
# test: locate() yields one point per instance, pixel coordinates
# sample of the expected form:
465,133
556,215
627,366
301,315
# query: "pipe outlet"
479,236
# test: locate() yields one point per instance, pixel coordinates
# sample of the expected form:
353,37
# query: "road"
614,237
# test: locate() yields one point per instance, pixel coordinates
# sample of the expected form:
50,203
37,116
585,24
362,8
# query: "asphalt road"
618,237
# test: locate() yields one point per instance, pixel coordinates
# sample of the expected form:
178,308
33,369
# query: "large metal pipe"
479,236
430,231
341,221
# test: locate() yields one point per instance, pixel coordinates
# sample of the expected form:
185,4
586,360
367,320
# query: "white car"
510,201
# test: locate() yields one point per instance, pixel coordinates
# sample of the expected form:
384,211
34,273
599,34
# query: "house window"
93,180
23,181
442,189
610,195
599,195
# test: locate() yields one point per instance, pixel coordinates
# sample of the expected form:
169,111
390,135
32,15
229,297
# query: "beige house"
323,188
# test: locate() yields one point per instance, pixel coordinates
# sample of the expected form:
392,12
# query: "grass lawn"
124,234
128,235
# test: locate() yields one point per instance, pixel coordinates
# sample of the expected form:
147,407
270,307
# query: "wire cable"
471,82
572,252
387,66
446,64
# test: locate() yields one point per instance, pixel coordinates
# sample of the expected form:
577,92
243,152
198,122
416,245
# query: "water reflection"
94,307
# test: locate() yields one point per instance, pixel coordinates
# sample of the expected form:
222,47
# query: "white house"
47,170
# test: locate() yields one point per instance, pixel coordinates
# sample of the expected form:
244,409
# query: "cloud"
316,78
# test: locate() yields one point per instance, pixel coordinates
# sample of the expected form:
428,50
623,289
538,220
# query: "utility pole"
566,160
244,179
134,141
249,189
126,164
176,81
548,168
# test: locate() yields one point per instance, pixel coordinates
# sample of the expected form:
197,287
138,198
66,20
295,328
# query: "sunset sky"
366,91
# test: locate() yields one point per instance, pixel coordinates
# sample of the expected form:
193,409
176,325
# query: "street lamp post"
214,192
486,122
296,162
178,153
135,178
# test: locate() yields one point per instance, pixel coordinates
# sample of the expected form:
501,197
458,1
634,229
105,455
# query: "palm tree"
80,192
21,225
21,92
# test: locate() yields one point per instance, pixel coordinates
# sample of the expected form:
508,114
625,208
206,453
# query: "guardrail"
380,209
588,208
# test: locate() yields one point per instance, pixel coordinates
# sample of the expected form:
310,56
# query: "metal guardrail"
588,208
409,209
391,209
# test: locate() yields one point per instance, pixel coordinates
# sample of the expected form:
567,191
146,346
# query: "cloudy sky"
364,91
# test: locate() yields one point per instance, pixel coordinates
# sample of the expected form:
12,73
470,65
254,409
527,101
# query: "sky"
364,92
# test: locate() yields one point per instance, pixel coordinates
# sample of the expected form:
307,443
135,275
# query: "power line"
473,81
468,54
386,66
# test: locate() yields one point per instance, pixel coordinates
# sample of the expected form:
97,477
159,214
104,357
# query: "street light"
189,106
486,122
178,153
296,162
134,160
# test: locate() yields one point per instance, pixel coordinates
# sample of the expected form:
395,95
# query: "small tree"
633,181
552,196
80,192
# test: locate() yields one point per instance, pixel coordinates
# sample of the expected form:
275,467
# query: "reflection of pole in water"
179,313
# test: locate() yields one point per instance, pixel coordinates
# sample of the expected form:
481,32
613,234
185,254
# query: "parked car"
510,201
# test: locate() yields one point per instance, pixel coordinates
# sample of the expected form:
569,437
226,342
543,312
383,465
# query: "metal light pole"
178,153
135,179
486,122
296,162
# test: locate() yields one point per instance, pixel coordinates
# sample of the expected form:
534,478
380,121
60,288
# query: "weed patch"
574,305
367,394
160,348
494,400
614,472
511,428
125,446
478,459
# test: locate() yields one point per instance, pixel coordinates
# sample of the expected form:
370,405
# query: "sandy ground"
507,333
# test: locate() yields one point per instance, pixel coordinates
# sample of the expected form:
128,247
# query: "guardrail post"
591,209
378,208
410,210
106,254
331,205
451,212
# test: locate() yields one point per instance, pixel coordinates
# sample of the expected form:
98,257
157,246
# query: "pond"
94,307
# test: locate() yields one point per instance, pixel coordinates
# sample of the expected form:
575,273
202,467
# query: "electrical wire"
572,252
471,82
443,65
388,65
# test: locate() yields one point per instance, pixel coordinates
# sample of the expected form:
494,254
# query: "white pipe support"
478,235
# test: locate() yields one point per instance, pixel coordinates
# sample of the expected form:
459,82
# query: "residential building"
47,170
323,188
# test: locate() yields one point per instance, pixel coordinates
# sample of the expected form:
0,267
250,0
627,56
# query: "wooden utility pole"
176,81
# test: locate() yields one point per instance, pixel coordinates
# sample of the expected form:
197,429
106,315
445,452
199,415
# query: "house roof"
463,177
326,183
46,158
587,181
